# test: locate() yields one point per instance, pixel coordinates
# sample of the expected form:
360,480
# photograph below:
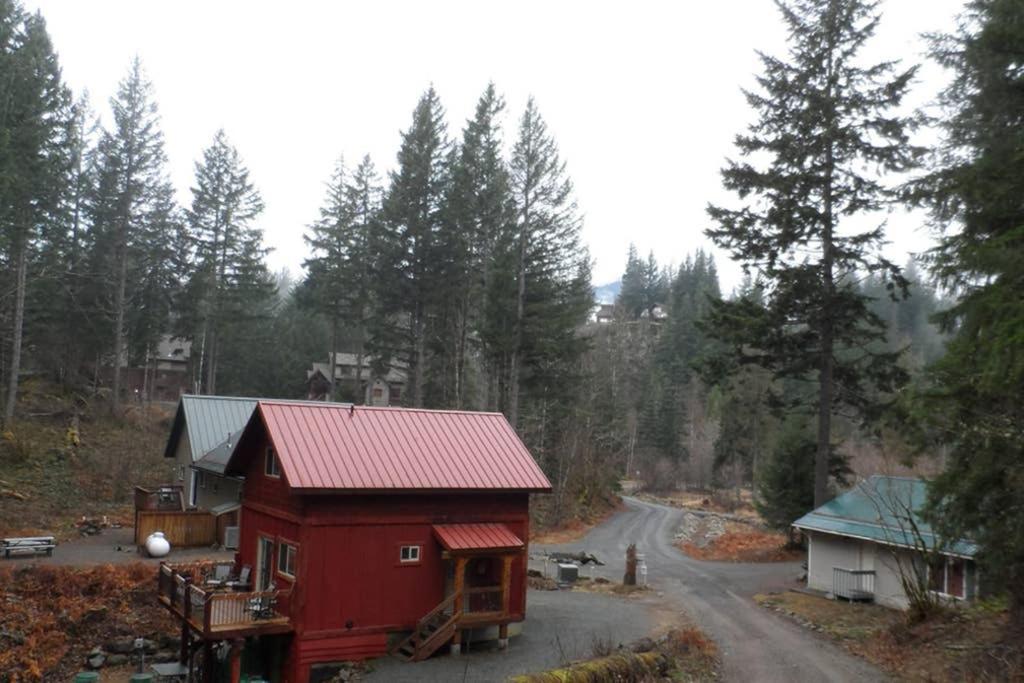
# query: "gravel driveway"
755,644
560,626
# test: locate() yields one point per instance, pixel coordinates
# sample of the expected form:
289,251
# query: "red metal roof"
325,446
455,537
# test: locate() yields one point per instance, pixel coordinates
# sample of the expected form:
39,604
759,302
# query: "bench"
27,545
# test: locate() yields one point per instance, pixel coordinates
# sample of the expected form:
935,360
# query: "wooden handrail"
447,603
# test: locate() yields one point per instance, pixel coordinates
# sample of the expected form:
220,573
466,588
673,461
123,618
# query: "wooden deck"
216,613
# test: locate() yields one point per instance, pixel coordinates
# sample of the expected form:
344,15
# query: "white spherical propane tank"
157,545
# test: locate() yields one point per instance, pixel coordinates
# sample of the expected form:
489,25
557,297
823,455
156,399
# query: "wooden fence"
183,528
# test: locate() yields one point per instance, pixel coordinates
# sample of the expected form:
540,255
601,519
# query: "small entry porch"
478,581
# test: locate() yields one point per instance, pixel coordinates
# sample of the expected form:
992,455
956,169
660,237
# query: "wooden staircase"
431,632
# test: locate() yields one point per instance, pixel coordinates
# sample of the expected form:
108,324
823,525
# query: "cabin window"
272,468
409,554
378,392
181,473
286,559
201,479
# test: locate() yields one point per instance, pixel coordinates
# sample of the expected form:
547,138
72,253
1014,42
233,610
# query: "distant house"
161,375
605,313
856,542
373,388
361,525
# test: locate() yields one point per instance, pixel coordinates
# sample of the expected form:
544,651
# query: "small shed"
857,542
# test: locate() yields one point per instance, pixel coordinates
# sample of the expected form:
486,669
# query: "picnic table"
28,545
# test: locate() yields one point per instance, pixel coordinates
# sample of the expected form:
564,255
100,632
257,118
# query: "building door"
264,557
192,489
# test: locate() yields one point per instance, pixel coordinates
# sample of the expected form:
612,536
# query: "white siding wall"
182,463
888,589
218,490
825,552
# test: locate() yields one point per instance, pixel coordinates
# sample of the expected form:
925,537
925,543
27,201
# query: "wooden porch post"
236,660
460,581
506,594
187,612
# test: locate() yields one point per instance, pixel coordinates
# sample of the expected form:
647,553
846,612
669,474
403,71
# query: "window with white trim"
409,553
286,553
271,467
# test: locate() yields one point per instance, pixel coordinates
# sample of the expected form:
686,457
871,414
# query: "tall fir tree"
409,283
551,269
228,283
33,127
340,268
974,401
480,217
128,211
631,299
823,119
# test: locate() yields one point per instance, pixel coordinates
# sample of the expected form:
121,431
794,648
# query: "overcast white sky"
643,97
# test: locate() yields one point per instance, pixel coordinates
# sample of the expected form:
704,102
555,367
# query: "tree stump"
630,578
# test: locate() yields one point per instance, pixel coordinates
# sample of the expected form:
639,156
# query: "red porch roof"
456,537
335,447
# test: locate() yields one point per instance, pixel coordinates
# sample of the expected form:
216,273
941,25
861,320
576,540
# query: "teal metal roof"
209,421
884,510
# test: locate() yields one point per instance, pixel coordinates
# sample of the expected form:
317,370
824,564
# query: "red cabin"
368,530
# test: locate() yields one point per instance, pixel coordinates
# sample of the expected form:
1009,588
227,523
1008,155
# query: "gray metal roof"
217,459
884,510
209,421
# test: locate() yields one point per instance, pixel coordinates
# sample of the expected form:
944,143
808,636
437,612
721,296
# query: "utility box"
567,573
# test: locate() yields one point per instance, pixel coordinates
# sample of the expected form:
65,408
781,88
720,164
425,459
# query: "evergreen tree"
824,118
409,279
229,282
129,212
340,267
632,297
480,218
33,124
551,270
975,403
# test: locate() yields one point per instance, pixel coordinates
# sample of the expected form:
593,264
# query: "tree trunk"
334,355
119,306
513,388
16,331
825,375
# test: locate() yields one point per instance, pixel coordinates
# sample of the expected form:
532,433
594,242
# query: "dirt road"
755,644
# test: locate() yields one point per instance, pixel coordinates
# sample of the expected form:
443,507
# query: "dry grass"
966,644
62,473
50,617
743,543
575,529
606,587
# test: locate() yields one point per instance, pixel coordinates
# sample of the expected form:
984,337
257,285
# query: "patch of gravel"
700,530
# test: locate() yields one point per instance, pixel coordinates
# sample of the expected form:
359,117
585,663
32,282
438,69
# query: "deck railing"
853,584
213,610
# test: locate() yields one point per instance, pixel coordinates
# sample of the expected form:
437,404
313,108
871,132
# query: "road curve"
755,644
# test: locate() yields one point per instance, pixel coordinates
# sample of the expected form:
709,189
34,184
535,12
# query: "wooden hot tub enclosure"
378,529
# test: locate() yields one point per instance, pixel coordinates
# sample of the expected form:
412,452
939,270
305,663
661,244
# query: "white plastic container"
157,545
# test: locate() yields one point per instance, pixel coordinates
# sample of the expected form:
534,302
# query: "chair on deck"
262,606
221,574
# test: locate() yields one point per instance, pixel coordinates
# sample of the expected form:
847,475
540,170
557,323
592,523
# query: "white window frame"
290,553
410,554
946,562
271,464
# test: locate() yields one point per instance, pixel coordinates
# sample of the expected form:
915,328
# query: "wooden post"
185,632
506,584
460,581
209,661
456,648
236,660
503,636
